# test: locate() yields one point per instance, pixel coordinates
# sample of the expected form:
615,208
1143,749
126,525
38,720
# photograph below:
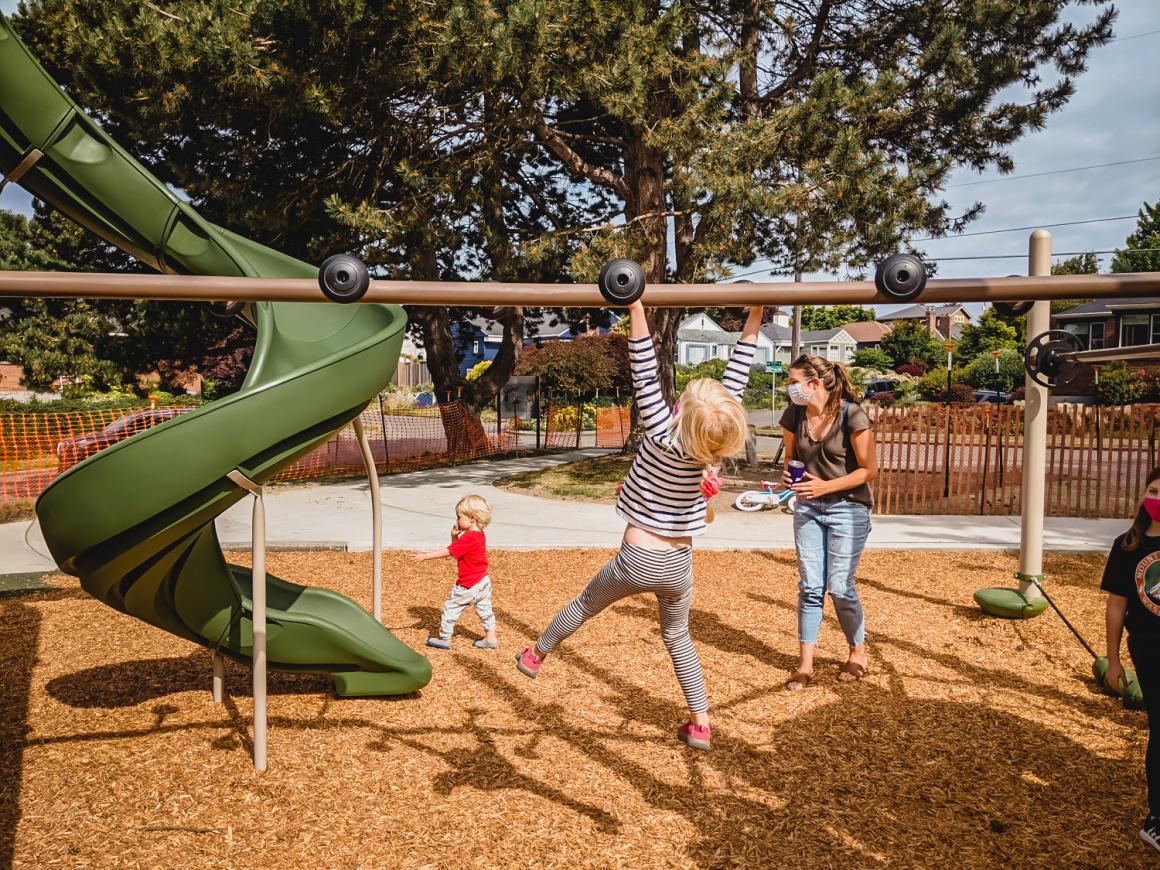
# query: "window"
762,356
697,353
475,347
1155,339
1080,331
1134,329
1095,336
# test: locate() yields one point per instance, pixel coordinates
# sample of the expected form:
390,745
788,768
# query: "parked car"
984,397
81,447
882,385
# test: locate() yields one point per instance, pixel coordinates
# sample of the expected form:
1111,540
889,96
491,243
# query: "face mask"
799,396
1152,506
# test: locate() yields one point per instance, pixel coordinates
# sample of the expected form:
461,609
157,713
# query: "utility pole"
795,340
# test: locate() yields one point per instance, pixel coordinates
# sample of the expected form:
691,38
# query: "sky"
1114,116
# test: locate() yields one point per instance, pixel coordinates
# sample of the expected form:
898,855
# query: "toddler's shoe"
696,736
1150,832
528,662
484,643
439,642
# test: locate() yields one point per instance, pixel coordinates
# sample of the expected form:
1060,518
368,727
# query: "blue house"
479,339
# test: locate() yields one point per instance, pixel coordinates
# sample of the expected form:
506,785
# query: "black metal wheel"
901,276
226,309
344,278
1042,359
621,282
1013,309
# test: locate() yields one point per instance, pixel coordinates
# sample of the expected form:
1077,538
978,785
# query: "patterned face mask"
1152,506
799,396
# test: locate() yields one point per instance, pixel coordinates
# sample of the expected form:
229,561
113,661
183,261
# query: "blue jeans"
829,535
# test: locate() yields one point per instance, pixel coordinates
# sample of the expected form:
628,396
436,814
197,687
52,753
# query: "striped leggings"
668,574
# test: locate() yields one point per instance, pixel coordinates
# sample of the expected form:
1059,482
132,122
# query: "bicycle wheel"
750,501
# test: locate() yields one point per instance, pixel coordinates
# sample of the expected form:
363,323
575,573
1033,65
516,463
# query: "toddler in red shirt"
473,587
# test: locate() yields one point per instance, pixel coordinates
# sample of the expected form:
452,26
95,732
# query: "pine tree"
1141,252
538,138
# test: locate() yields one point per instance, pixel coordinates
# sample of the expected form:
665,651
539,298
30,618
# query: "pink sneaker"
696,736
528,662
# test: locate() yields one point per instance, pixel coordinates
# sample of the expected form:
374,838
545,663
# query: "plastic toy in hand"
711,485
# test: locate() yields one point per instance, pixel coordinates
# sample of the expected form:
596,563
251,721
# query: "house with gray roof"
944,322
700,338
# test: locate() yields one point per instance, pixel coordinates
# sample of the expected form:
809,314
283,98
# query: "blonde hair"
475,508
834,378
710,423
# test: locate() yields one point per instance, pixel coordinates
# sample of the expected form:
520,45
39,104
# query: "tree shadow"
876,778
19,635
969,613
127,684
708,628
429,618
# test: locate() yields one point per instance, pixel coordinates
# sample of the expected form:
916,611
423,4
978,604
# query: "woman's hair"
1143,519
475,508
710,423
833,377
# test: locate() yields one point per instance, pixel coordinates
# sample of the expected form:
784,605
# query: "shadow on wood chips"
972,742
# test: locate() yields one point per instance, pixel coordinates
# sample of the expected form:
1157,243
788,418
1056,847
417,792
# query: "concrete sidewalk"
418,511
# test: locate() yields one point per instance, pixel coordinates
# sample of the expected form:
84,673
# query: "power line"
1023,256
1054,171
1128,217
1133,36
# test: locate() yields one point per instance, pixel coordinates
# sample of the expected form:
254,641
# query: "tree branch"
577,165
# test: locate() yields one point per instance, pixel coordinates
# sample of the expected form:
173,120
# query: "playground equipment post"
1034,433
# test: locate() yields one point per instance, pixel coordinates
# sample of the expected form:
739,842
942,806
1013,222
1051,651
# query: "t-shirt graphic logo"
1148,582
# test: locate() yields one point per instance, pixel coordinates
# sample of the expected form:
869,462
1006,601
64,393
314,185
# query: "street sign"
518,396
773,368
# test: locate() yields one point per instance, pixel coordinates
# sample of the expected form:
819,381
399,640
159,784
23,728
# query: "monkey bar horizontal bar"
1143,351
485,293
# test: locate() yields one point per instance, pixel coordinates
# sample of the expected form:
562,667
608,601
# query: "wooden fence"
410,374
967,459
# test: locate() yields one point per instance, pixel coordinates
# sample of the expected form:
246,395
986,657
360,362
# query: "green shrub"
873,358
1121,384
982,376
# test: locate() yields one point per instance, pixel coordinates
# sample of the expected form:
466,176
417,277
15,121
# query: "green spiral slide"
135,522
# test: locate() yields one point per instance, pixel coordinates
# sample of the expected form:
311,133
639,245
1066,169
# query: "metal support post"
1034,435
376,519
258,599
219,678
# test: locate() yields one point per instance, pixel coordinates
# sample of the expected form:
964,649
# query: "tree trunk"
461,424
645,209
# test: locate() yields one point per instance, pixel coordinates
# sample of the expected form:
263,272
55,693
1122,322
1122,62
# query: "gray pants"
460,599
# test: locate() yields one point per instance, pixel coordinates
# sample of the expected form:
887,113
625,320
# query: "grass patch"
587,480
14,511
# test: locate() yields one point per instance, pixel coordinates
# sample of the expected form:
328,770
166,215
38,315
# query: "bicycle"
756,500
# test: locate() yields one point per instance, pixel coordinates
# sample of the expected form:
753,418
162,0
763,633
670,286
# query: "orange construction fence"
36,447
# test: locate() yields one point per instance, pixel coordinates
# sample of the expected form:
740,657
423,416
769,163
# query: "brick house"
942,321
10,378
1107,323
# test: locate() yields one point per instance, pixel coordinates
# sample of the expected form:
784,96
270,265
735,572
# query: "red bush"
962,394
885,398
911,369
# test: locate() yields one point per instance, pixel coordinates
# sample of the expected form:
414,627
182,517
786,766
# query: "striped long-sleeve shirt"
662,492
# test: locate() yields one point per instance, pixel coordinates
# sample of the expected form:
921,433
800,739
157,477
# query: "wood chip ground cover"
972,741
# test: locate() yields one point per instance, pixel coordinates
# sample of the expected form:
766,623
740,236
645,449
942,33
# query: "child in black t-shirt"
1132,579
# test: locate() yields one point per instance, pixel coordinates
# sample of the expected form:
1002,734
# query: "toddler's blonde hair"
710,423
475,508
